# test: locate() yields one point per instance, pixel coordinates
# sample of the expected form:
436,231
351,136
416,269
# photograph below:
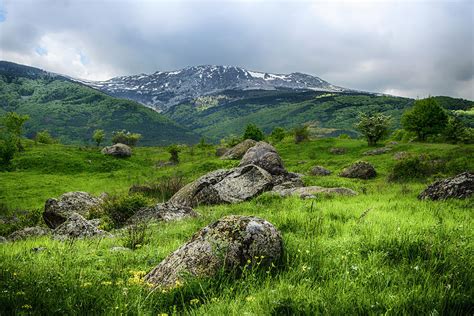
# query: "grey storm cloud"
407,48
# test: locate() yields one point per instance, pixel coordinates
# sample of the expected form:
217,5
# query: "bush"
344,136
373,126
163,189
457,132
174,152
44,137
230,141
301,134
98,136
136,236
415,168
125,137
121,208
8,148
278,134
253,132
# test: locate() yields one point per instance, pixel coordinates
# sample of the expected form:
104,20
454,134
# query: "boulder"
401,155
312,191
162,212
221,151
228,244
239,150
320,171
118,150
29,232
338,151
77,226
459,187
377,151
56,211
360,170
265,156
224,186
3,240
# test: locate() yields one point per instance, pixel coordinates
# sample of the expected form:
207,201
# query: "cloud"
408,48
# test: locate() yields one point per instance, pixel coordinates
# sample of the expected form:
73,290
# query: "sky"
412,48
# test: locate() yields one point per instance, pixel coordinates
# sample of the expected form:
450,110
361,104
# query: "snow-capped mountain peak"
164,89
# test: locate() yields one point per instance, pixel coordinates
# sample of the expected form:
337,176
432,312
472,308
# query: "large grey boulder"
459,187
118,150
77,226
29,232
56,211
313,191
266,157
224,186
229,243
239,150
338,151
320,171
360,170
162,212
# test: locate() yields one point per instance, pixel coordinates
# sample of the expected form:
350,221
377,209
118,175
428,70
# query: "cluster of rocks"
239,150
459,187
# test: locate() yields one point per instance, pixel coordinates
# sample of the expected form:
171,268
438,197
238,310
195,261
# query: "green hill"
71,111
333,113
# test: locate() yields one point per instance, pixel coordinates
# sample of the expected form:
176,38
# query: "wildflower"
248,261
354,267
15,274
85,284
27,306
416,268
19,293
214,299
194,301
178,283
119,282
163,291
163,314
106,283
250,298
307,251
150,285
305,268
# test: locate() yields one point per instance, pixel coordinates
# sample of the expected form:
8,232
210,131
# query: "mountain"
71,111
164,89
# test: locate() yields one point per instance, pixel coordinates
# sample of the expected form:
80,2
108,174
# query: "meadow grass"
380,252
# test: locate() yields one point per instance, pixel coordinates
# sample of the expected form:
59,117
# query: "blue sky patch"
41,51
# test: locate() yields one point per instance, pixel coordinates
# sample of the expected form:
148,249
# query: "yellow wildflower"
86,284
250,298
106,283
27,306
194,301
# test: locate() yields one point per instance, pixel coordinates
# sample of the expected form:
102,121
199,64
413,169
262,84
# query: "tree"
253,132
301,133
44,137
425,118
278,134
456,131
127,138
13,123
98,136
373,126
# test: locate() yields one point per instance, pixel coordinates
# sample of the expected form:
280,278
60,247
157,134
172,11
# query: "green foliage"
344,136
125,137
253,132
457,132
174,152
278,134
136,236
98,136
19,219
373,126
415,168
8,148
301,133
13,123
44,137
120,208
425,118
230,141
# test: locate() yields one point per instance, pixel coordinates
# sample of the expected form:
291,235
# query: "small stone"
320,171
338,151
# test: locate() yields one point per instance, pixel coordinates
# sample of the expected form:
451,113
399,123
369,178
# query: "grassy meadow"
380,252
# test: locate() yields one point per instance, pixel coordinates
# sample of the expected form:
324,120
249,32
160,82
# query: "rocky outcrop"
313,191
118,150
56,211
162,212
458,187
239,150
230,244
338,151
264,156
77,226
29,232
221,151
224,186
360,170
319,171
378,151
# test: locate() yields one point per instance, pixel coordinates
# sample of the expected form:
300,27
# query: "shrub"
425,118
278,134
230,141
373,126
125,137
8,148
174,152
301,134
121,208
163,189
253,132
136,236
12,123
98,136
344,136
457,132
415,168
44,137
